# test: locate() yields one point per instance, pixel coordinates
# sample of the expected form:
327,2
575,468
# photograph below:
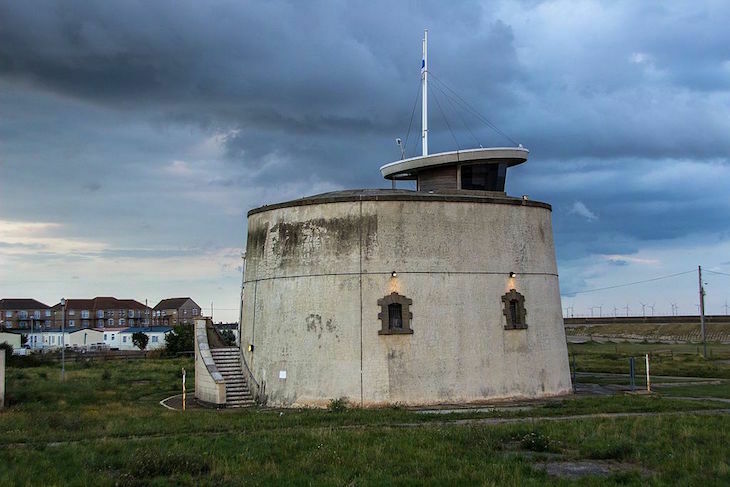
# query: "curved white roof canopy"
408,168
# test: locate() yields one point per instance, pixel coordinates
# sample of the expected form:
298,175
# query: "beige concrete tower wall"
315,272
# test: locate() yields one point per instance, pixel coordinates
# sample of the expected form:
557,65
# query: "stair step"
237,392
239,398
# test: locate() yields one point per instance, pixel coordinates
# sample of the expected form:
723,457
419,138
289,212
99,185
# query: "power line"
448,125
458,113
473,110
717,272
410,124
633,283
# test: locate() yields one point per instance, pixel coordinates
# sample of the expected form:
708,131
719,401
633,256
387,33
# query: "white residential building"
156,336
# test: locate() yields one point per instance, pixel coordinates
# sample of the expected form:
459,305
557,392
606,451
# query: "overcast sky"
135,135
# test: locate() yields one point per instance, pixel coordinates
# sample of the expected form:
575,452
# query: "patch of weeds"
627,478
337,405
43,375
20,375
148,463
106,375
537,442
553,405
611,450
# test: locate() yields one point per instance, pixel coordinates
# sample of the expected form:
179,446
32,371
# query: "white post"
424,107
648,381
183,386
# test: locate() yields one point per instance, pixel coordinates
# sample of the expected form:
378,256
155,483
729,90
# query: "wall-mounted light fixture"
512,275
393,274
250,347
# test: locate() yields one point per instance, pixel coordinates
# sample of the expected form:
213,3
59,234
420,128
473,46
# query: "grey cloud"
92,186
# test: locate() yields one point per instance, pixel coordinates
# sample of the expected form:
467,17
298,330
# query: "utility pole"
726,306
627,310
702,311
643,310
615,312
63,340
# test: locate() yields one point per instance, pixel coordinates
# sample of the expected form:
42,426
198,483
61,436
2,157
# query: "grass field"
667,360
104,426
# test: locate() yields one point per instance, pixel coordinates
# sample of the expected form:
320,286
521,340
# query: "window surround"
514,310
384,315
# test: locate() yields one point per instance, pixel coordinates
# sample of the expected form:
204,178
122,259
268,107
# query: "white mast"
424,89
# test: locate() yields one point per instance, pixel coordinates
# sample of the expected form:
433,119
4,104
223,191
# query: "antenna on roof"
400,146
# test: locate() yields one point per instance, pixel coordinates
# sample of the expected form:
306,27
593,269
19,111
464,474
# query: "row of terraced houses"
99,312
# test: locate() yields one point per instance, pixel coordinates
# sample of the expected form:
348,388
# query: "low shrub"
536,441
337,405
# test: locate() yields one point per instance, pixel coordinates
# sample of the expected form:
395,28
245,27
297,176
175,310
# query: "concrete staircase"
228,362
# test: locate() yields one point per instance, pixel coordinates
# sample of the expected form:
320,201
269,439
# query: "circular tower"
446,294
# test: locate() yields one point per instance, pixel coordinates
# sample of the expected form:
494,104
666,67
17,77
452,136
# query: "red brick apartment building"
98,312
174,311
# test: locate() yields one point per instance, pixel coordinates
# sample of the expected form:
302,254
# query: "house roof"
21,303
101,302
171,303
148,329
58,330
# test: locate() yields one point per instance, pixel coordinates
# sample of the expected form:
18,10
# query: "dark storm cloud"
277,71
622,104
